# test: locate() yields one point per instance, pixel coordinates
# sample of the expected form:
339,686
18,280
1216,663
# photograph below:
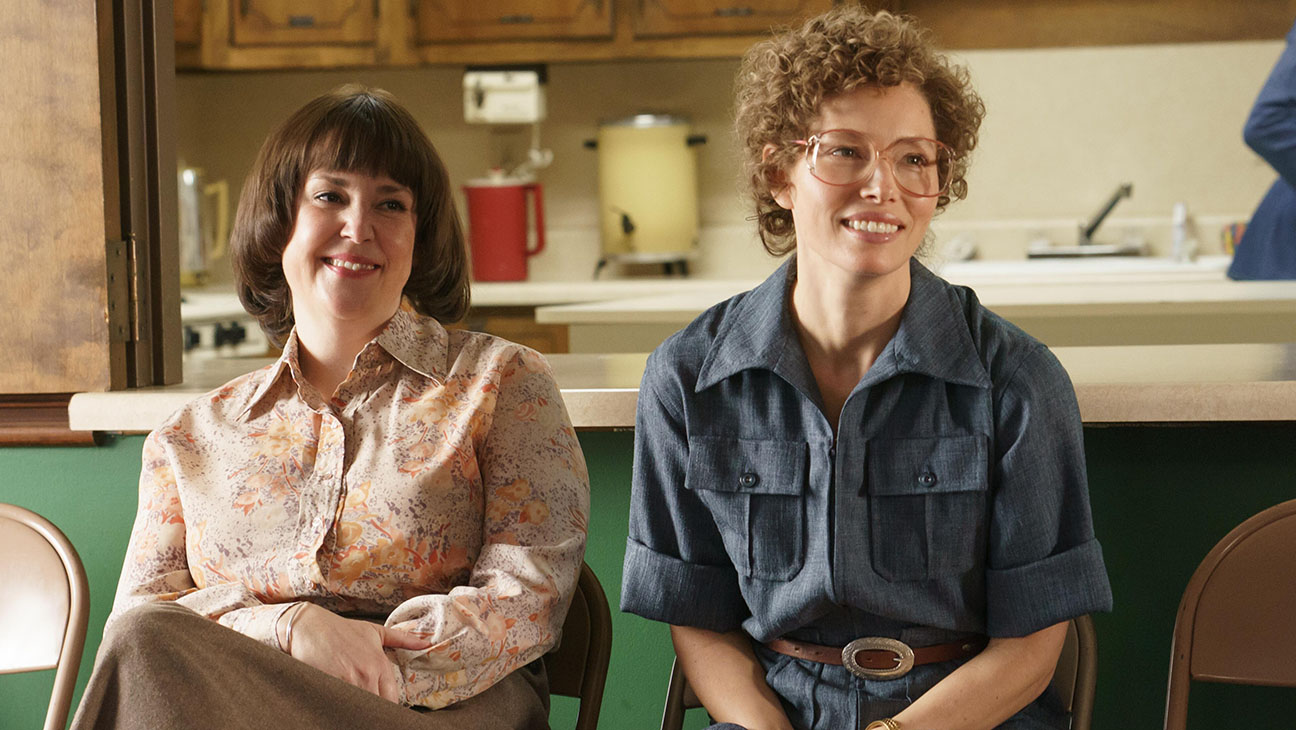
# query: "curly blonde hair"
783,82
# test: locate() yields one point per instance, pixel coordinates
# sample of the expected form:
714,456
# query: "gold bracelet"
296,611
886,723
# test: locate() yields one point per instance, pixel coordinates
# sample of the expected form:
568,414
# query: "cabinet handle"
738,12
516,19
301,21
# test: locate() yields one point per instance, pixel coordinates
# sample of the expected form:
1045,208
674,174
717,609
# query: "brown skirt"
163,666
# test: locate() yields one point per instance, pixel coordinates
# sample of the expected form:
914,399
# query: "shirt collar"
756,334
419,343
933,338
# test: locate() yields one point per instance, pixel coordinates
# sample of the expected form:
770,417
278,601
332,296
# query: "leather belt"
878,657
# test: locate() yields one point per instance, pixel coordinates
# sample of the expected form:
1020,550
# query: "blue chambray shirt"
952,502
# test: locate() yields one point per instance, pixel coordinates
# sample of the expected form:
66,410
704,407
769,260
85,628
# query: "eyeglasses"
921,167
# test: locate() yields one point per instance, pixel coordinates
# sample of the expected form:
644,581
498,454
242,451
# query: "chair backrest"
44,605
1075,680
578,666
1235,620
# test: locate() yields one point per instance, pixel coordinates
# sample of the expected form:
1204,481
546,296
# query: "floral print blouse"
441,490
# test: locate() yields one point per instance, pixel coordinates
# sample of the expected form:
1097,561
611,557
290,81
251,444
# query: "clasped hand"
351,649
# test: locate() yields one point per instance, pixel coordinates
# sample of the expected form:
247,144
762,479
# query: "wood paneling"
53,293
39,420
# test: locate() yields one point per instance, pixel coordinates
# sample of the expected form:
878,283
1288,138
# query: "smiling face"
871,228
350,252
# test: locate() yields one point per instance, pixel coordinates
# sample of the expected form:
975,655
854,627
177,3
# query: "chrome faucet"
1087,231
1086,246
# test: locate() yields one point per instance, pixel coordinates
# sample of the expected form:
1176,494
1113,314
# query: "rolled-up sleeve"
676,568
1045,565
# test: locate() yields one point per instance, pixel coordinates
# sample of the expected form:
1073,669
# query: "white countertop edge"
1186,402
600,408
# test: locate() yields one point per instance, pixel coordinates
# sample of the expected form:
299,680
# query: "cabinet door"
721,17
452,21
88,227
188,23
304,22
1048,23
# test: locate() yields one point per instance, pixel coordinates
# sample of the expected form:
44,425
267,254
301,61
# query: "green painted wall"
1162,496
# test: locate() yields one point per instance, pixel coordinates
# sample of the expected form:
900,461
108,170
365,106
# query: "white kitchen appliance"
648,190
203,222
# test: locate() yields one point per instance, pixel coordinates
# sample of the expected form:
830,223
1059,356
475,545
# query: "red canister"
497,226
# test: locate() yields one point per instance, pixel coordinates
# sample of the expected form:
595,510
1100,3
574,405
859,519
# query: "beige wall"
1064,127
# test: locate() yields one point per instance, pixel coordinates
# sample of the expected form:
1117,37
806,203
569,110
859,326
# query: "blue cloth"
1268,247
953,501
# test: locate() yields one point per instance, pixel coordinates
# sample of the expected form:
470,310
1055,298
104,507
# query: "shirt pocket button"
749,479
927,479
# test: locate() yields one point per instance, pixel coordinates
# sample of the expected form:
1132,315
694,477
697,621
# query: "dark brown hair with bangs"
784,81
349,129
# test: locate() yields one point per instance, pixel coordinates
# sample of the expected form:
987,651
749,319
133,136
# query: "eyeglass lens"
921,166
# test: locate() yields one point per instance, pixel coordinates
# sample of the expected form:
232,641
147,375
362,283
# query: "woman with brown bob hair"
859,497
348,130
384,527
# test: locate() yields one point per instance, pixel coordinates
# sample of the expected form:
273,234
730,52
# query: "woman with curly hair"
859,497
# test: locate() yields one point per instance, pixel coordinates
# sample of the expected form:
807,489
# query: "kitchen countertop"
219,304
1064,303
1009,299
1131,384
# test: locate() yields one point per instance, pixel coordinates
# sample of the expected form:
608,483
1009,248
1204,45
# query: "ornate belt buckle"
904,657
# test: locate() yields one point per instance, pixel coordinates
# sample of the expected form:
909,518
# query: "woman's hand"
992,686
350,649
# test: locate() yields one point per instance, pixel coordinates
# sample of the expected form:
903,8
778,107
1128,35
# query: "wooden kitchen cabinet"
291,34
655,18
1050,23
459,21
517,324
295,34
275,34
188,24
304,22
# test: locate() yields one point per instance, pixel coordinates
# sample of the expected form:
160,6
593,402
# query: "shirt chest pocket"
927,506
755,490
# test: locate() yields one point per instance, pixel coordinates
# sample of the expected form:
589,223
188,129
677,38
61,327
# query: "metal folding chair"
578,667
44,605
1235,620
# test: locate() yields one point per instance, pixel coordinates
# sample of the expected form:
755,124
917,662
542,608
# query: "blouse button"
749,479
927,479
